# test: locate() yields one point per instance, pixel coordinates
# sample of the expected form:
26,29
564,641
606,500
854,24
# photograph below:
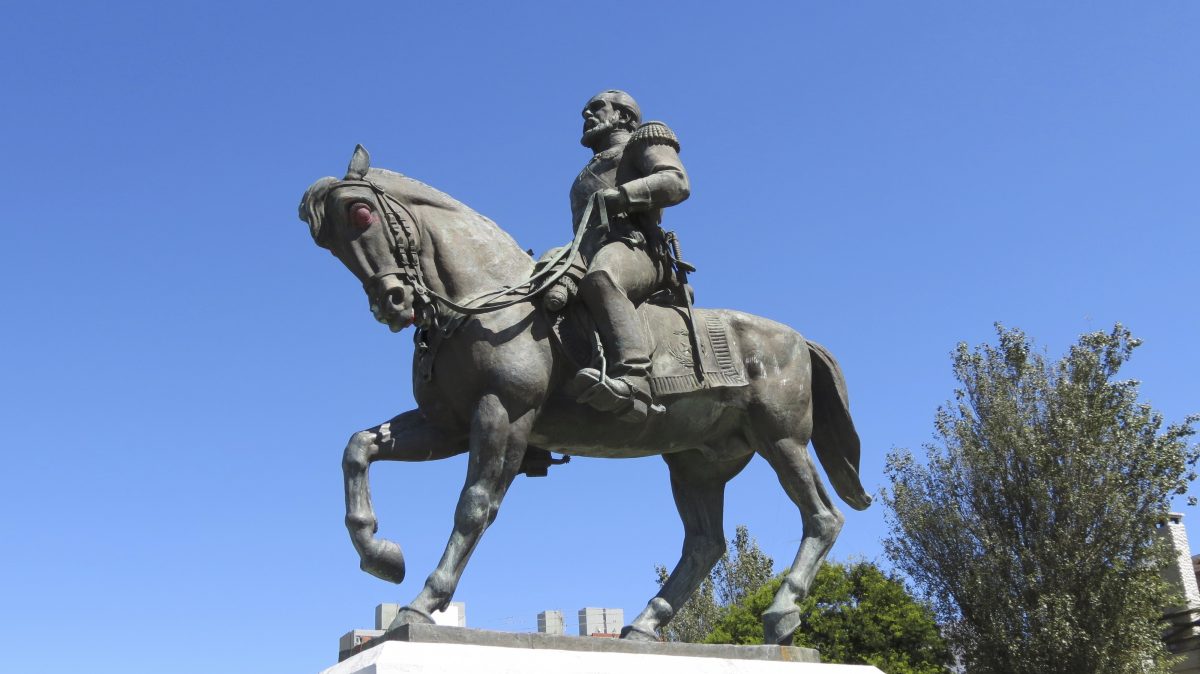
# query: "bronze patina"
508,368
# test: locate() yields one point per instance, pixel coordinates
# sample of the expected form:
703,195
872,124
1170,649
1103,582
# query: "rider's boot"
624,389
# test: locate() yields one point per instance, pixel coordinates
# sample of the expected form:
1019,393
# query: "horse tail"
833,436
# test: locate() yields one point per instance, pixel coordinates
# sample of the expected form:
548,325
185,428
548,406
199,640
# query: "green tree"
1031,527
742,569
854,614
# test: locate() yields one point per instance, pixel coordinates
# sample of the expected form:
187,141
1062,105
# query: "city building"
551,622
1182,635
455,615
601,622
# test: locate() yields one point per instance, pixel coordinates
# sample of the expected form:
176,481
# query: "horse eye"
361,215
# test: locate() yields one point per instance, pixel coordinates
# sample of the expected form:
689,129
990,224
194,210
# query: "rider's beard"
596,133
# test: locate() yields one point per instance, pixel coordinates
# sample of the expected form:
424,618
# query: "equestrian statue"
592,350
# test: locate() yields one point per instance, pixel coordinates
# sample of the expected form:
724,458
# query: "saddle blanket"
672,369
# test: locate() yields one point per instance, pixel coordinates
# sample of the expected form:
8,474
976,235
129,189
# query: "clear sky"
182,367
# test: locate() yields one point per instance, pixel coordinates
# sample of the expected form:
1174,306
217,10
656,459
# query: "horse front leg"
499,434
408,437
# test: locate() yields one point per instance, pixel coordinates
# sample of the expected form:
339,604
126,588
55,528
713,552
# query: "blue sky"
182,367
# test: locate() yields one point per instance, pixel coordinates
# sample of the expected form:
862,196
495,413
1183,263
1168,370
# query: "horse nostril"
396,297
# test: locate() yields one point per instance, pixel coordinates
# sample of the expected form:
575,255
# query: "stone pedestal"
435,649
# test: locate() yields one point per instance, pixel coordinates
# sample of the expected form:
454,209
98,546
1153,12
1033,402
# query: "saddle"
673,367
672,364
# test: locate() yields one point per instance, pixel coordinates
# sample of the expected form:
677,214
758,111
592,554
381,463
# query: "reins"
409,259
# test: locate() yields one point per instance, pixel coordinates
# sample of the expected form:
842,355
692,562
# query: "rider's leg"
617,277
626,343
631,269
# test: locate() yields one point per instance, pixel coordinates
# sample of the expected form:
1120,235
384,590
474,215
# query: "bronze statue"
497,366
637,172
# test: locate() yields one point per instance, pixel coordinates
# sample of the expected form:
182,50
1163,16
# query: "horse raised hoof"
410,616
780,628
631,633
383,559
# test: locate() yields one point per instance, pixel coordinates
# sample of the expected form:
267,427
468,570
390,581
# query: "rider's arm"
665,182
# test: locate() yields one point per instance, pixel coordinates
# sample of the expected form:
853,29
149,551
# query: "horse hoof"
383,559
631,633
410,616
780,628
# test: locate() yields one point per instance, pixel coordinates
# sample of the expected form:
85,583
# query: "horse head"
365,227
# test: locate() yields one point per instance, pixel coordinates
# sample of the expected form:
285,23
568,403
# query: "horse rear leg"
698,484
822,522
407,437
497,442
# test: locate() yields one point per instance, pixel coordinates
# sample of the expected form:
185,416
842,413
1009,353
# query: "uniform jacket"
647,168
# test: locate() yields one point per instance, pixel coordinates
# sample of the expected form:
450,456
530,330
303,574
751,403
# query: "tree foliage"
741,570
854,614
1031,528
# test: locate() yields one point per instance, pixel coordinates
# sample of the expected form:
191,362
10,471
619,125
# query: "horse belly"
691,421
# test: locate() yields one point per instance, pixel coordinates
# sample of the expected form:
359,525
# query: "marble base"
434,649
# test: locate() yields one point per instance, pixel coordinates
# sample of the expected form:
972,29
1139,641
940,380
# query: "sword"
682,269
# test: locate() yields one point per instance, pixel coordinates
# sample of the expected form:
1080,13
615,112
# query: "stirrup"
618,395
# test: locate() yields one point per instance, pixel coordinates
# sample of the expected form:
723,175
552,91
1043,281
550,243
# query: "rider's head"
607,112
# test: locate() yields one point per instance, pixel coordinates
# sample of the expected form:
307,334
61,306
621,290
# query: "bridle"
398,228
402,229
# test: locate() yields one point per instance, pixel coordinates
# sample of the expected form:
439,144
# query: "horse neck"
464,254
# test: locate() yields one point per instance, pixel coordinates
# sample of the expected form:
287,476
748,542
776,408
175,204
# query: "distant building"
1183,634
551,622
355,638
601,622
455,615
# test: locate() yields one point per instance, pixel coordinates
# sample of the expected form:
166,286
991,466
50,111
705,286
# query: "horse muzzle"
392,303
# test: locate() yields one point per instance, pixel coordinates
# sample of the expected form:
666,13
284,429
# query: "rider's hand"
615,200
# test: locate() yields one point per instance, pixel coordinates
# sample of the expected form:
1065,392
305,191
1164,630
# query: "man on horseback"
637,172
497,371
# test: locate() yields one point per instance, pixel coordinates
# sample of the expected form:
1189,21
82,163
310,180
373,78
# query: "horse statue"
488,379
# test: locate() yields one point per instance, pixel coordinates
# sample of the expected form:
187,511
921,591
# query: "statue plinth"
436,649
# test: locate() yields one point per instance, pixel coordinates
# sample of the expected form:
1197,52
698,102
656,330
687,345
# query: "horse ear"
359,163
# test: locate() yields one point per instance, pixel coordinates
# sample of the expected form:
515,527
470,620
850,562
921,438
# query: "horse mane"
408,190
416,193
466,236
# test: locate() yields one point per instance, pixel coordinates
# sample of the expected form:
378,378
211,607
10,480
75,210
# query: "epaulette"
655,133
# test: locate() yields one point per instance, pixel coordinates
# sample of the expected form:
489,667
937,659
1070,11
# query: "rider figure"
636,170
